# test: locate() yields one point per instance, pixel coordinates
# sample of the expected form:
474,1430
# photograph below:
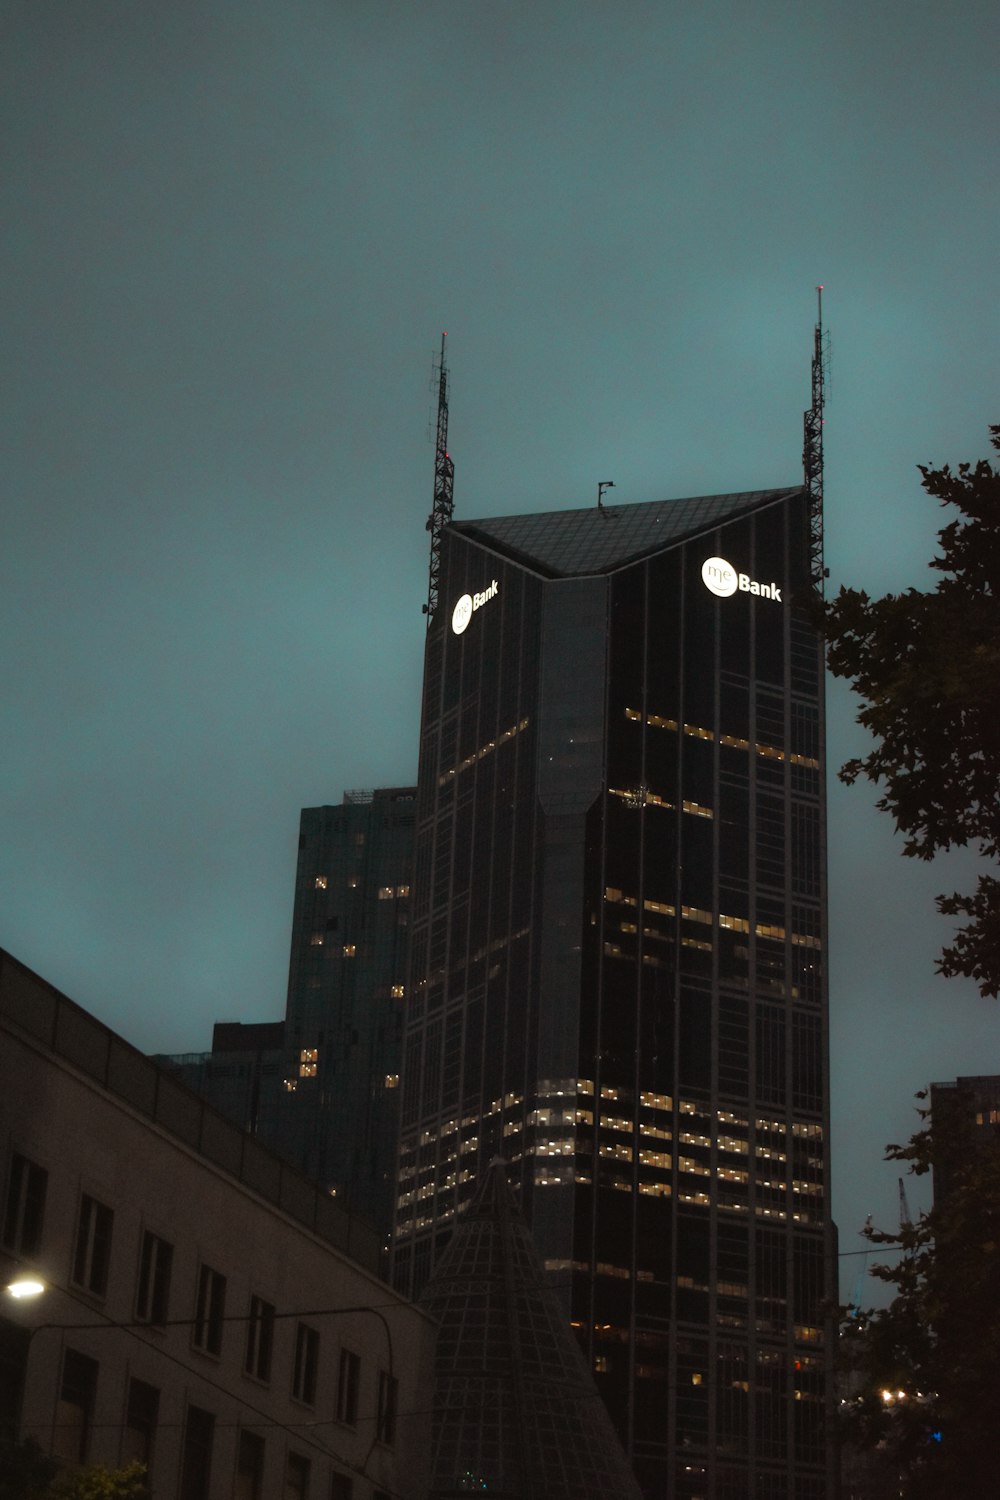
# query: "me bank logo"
722,579
462,613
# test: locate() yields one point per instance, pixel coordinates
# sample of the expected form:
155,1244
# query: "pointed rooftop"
573,543
515,1410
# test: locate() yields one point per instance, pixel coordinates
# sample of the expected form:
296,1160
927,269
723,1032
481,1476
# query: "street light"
25,1286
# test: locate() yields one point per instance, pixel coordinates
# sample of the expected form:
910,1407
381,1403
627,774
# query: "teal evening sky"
234,231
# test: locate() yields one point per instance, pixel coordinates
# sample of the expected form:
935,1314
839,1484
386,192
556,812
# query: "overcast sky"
233,233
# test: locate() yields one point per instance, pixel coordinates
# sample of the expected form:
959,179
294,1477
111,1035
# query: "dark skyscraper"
343,1021
616,974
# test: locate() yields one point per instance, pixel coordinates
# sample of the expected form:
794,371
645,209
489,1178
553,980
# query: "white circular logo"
462,613
719,576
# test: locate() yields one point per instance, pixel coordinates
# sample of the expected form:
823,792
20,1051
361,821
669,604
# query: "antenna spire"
812,450
444,486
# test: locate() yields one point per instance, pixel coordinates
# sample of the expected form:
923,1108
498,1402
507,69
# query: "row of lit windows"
482,752
732,741
698,914
641,796
565,1089
568,1088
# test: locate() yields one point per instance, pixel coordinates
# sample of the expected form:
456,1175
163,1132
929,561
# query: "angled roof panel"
571,543
515,1410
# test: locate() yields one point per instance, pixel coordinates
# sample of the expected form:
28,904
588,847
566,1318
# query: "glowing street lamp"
25,1286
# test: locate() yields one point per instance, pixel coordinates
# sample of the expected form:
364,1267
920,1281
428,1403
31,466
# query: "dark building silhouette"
347,976
321,1087
241,1076
515,1412
616,974
965,1115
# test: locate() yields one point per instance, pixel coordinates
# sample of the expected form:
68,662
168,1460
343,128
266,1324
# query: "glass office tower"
347,974
616,973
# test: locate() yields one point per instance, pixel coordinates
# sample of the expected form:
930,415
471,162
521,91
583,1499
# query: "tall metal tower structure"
444,487
812,449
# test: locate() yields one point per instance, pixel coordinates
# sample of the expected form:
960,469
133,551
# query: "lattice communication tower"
812,450
444,487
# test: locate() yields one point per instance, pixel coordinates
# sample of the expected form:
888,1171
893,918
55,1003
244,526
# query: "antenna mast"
444,487
812,451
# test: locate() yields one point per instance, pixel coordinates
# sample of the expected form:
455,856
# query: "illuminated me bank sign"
722,579
468,604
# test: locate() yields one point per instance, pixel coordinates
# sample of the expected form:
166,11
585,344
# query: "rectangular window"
342,1487
210,1311
141,1415
25,1206
260,1339
249,1466
93,1246
296,1477
347,1387
306,1364
388,1395
153,1296
75,1409
196,1461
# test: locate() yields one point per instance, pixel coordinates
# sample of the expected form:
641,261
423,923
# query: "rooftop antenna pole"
444,488
812,451
605,484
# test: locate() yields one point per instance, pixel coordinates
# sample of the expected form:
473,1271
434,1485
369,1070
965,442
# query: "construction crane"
812,450
444,487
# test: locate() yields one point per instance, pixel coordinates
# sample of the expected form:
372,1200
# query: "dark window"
93,1246
196,1462
388,1392
140,1423
210,1311
155,1264
249,1466
306,1363
296,1477
342,1487
75,1410
25,1206
347,1387
260,1339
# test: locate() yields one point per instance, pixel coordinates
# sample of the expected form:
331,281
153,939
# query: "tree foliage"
927,668
927,1398
27,1473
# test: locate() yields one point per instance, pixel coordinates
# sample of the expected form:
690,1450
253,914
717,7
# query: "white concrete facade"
317,1389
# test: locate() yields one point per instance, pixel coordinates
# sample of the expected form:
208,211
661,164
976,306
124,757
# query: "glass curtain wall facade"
344,1016
616,977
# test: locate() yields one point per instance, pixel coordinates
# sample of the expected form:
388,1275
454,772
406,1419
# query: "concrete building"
205,1308
616,978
